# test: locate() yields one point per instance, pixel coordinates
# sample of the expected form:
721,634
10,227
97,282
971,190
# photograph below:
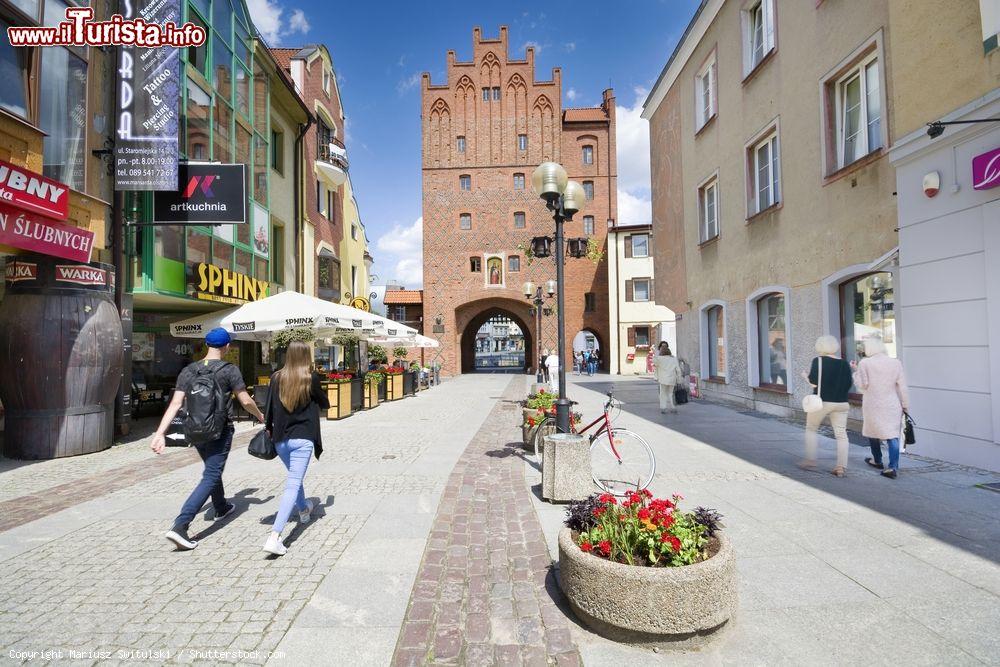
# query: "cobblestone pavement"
484,591
855,570
85,567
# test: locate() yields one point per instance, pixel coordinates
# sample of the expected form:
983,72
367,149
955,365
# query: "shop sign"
33,192
361,303
213,283
986,170
28,231
81,274
18,271
147,105
204,194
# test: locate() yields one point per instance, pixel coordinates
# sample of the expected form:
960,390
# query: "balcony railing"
334,153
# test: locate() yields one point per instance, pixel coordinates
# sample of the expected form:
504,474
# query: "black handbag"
680,396
909,437
261,445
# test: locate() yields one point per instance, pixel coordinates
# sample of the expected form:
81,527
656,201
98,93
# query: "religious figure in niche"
494,269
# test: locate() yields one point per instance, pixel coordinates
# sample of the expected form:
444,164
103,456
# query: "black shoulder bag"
261,445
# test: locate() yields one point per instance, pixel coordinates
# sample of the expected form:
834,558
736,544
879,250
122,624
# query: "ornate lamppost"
534,296
563,198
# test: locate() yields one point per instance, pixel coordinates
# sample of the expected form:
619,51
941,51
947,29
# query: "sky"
380,51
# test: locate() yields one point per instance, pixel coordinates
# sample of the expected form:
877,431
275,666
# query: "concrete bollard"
566,473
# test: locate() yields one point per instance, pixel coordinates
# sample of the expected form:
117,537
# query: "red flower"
605,547
646,493
675,543
667,521
598,511
607,498
634,498
587,546
643,514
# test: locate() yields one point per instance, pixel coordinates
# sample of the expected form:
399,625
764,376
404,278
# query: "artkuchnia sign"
29,231
986,170
213,283
205,194
148,105
33,192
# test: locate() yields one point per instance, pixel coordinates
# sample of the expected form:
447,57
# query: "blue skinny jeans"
295,454
876,446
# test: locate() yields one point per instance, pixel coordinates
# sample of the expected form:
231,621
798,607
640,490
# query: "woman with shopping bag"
885,400
831,376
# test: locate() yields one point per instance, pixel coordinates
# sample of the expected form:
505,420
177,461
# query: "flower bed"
339,378
642,570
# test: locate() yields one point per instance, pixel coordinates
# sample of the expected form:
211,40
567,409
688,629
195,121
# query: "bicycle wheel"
627,467
545,427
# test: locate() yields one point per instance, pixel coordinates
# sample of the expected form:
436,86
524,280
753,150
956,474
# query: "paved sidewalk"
858,570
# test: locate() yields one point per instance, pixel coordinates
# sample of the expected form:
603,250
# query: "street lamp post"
563,198
534,296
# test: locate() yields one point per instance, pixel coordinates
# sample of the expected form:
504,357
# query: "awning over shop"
259,320
417,341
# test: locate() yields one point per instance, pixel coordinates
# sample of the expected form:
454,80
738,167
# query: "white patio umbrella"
386,328
417,341
259,320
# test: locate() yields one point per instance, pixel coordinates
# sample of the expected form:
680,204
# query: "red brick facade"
307,67
517,104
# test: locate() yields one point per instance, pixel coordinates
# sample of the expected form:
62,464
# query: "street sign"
205,194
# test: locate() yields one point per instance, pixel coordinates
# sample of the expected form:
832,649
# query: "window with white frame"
519,220
588,155
522,142
640,245
588,225
772,341
326,80
514,263
486,94
715,341
758,34
763,170
708,210
465,182
858,107
496,93
518,181
705,93
640,289
465,221
461,144
588,190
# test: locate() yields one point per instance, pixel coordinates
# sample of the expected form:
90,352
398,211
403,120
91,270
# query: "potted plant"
641,570
338,390
394,382
282,339
372,381
535,408
399,354
377,354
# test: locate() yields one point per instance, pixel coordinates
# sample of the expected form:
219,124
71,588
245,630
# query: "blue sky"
379,52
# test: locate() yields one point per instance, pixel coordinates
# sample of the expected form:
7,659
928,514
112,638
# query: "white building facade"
638,324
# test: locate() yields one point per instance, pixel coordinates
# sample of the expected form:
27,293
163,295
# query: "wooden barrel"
60,357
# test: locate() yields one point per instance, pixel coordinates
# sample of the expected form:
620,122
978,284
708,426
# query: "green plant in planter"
542,400
345,339
282,339
399,352
594,253
377,354
374,377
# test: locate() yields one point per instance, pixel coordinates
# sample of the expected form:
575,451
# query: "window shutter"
628,289
628,247
631,336
651,298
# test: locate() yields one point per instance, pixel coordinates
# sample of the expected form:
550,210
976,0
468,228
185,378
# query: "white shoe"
274,545
306,515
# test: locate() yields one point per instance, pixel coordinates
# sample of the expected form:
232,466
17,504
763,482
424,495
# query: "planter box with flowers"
536,407
373,379
338,391
640,570
394,383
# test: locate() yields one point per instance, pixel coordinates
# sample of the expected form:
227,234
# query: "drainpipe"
299,193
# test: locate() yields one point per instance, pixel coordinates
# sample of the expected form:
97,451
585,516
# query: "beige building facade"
773,201
638,322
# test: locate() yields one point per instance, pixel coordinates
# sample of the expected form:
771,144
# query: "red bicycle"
621,461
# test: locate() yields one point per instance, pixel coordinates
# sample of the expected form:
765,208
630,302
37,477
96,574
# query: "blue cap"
217,337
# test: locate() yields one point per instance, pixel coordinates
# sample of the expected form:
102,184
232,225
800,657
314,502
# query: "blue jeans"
876,447
591,367
295,454
214,454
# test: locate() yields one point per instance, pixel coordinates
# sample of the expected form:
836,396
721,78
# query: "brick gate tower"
484,132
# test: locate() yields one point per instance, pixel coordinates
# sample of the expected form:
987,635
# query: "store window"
62,105
242,261
715,342
14,72
867,308
260,268
197,250
222,254
772,341
169,242
198,117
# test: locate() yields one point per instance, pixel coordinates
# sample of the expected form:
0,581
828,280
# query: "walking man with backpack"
207,387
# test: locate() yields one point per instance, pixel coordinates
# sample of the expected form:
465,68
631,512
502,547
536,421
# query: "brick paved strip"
480,595
24,509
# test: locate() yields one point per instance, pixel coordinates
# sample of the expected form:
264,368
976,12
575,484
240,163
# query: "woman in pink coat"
880,378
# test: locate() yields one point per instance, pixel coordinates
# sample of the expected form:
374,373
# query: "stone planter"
566,471
677,606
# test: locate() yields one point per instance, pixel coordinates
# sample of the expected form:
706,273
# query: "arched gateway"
495,339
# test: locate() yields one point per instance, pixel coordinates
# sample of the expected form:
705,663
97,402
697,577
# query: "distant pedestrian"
668,376
552,365
295,400
885,398
592,360
831,376
206,388
578,363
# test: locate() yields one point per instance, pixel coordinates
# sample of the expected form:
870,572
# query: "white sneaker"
274,545
306,515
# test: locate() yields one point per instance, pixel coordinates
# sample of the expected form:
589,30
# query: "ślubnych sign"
148,104
204,194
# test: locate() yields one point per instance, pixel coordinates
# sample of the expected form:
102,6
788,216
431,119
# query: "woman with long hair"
294,402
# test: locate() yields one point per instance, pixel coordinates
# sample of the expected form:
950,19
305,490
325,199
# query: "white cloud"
409,83
266,15
532,43
571,94
400,250
634,209
632,138
570,47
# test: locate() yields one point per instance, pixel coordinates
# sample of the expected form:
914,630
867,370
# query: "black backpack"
207,405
